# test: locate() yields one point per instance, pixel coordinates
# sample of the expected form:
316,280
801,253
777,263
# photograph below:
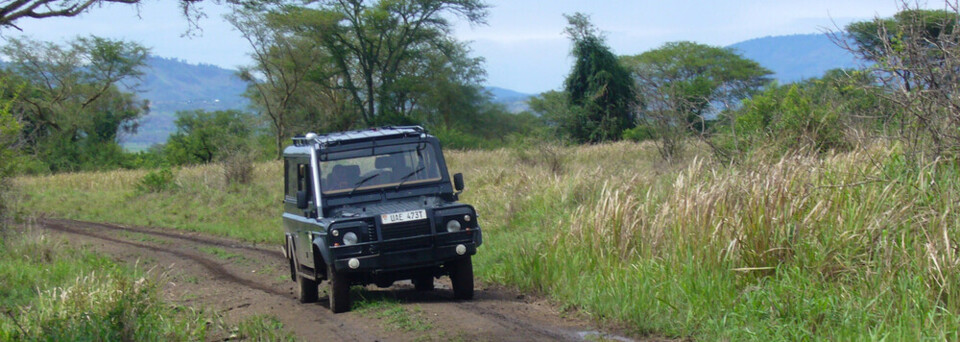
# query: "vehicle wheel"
423,283
461,275
339,290
309,291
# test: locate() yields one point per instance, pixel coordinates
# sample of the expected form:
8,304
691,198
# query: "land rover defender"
375,206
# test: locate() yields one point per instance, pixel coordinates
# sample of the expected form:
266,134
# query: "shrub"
156,181
238,168
640,133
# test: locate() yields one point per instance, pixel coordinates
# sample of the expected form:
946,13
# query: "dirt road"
238,280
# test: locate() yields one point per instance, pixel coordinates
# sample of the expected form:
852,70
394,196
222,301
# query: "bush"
238,168
156,181
640,133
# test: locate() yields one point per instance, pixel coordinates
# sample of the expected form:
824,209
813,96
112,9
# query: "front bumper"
443,249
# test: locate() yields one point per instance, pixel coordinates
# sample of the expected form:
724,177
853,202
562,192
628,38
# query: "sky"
522,42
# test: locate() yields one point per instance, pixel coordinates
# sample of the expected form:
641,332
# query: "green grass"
394,315
852,246
220,253
53,292
262,328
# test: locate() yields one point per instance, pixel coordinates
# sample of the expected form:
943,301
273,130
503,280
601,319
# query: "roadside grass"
53,291
262,328
200,200
221,253
389,310
849,246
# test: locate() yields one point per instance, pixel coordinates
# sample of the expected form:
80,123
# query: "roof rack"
369,133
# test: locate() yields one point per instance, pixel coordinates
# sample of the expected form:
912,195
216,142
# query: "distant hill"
172,85
796,57
515,102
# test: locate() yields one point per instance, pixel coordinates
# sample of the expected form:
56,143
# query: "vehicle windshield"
378,167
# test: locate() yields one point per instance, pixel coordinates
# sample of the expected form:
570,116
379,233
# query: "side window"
303,183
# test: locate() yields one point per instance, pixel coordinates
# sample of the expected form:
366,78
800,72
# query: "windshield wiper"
404,179
364,180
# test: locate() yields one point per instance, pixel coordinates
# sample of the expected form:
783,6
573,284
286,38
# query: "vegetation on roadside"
852,245
54,291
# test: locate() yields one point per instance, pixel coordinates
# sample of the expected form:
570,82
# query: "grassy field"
53,291
852,246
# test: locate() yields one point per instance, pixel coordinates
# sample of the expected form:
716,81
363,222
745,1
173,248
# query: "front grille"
405,230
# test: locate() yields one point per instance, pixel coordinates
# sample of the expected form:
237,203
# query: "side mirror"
458,182
302,199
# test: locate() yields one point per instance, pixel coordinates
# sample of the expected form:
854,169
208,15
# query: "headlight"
350,238
453,226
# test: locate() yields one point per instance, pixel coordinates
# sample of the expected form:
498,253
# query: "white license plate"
405,216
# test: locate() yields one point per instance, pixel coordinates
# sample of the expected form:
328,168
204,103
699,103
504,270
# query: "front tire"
339,290
461,275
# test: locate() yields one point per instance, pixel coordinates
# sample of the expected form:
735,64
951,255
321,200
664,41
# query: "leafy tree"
379,50
282,64
698,78
9,133
71,104
203,137
599,86
683,84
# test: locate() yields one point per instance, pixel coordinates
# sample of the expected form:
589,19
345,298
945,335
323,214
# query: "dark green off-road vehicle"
373,207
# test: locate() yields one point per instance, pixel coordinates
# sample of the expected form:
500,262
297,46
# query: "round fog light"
335,233
461,249
466,218
354,263
453,226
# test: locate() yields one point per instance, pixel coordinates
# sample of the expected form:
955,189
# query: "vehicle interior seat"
344,176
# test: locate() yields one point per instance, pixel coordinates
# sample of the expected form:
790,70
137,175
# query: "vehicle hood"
375,209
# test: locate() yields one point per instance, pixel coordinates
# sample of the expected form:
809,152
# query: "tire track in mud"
218,271
495,315
156,232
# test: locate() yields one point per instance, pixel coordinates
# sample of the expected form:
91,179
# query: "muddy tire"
308,290
461,275
423,283
339,291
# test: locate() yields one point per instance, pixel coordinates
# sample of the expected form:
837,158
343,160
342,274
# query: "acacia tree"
598,86
376,47
684,83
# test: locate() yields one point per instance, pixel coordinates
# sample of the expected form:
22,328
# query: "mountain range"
172,85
